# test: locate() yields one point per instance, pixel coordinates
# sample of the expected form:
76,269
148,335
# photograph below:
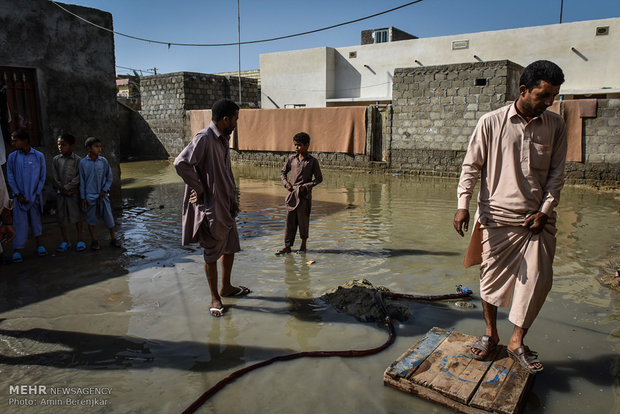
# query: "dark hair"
21,134
541,70
302,138
68,138
90,141
223,108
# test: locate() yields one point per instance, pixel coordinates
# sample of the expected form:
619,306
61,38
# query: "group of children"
81,184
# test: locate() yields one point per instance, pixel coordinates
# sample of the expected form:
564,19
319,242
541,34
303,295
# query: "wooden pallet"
440,368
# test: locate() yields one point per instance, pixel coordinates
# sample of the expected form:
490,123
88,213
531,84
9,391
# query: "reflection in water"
138,320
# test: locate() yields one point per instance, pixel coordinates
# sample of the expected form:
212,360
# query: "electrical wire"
136,70
235,43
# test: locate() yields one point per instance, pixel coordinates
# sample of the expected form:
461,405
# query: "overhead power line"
135,70
237,43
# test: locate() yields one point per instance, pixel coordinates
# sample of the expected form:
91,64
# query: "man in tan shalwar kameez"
210,203
519,151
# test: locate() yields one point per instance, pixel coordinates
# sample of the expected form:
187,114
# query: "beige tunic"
205,166
521,168
66,174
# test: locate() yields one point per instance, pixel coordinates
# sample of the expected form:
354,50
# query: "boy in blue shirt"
95,182
26,176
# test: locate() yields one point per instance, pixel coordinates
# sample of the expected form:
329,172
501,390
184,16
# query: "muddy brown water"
132,327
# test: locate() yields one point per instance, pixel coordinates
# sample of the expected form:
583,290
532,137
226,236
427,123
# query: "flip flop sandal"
526,357
216,312
95,246
281,252
17,257
486,344
41,251
242,291
115,243
63,247
80,246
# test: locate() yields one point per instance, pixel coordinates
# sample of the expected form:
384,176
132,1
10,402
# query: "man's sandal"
240,291
527,358
486,345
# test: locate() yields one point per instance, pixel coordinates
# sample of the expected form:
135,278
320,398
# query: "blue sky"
208,21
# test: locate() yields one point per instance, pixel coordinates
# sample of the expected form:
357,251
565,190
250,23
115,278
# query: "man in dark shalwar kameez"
210,203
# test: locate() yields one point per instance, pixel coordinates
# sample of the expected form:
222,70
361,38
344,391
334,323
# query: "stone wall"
166,98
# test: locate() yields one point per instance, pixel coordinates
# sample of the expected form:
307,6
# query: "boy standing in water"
95,182
302,167
26,176
66,182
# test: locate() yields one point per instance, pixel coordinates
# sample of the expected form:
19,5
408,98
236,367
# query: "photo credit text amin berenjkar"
45,395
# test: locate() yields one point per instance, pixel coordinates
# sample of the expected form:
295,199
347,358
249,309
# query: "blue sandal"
17,257
41,251
63,247
80,246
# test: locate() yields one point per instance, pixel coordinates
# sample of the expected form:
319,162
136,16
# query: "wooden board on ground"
440,368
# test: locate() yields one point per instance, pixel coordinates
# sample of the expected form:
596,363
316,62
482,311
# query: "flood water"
134,324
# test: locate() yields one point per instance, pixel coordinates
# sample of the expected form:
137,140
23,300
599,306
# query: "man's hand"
536,222
289,187
65,192
194,197
22,199
461,221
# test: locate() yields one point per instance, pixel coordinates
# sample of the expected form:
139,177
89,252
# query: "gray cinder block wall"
166,98
601,147
436,108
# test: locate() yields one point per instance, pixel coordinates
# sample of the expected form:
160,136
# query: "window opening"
382,36
18,103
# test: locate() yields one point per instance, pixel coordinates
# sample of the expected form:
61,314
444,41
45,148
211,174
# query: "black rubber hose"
324,354
310,354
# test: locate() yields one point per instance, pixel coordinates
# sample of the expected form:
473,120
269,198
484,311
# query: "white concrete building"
587,51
